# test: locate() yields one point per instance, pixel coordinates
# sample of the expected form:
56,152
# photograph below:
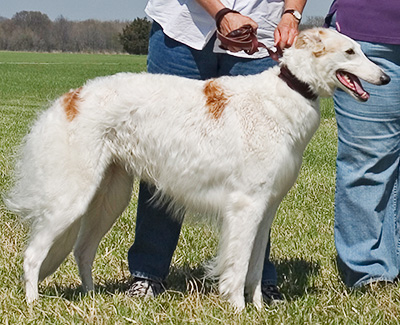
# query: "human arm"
288,28
231,21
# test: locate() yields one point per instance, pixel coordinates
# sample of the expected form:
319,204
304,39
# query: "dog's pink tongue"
360,90
353,83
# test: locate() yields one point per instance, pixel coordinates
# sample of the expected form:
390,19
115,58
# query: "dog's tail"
60,167
35,162
53,168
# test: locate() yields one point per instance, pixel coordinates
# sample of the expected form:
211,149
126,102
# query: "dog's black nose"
385,79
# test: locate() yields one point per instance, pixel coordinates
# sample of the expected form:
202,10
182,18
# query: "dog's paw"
237,302
31,297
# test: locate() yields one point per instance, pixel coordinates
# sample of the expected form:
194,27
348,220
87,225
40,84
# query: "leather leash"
245,39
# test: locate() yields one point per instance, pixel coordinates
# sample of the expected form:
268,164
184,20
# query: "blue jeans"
157,233
367,221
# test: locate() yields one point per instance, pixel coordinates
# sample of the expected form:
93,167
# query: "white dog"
230,147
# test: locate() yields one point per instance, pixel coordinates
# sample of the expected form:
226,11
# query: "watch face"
297,14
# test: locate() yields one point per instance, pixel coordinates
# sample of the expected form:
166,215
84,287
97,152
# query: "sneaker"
271,294
145,288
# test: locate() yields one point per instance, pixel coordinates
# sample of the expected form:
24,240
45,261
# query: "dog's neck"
293,82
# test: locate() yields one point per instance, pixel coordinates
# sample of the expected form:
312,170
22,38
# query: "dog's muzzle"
352,83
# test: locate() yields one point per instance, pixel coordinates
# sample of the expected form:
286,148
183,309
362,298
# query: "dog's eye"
350,51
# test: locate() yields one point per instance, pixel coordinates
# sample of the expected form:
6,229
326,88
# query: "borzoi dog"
230,146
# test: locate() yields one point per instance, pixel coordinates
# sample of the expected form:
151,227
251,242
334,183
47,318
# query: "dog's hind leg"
39,246
254,273
51,241
55,230
239,228
59,250
110,201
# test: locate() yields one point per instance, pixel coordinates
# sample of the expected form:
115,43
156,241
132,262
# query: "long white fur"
75,175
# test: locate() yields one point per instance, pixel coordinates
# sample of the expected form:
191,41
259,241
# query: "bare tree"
311,22
61,34
35,29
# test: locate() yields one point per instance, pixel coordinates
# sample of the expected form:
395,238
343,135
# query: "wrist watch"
293,12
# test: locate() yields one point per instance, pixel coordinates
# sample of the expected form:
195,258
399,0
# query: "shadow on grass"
293,278
76,293
186,279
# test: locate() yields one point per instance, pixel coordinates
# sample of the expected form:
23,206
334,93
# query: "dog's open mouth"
351,82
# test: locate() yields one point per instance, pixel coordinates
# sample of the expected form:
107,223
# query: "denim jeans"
157,232
367,221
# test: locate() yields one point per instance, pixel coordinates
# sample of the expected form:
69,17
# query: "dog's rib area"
70,103
216,98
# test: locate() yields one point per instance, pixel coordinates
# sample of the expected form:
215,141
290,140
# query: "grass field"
302,235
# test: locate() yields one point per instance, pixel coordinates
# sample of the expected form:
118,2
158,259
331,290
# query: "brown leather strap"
293,82
245,39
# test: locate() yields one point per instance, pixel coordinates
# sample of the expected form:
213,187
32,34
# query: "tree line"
34,31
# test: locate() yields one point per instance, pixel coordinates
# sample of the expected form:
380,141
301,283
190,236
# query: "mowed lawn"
302,234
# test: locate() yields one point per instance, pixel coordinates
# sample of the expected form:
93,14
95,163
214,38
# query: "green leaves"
135,36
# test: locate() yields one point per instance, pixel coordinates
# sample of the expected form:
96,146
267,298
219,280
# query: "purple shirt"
375,21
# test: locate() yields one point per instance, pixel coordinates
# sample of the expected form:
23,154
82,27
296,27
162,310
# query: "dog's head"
326,59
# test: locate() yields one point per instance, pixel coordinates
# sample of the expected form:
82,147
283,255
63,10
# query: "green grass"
302,235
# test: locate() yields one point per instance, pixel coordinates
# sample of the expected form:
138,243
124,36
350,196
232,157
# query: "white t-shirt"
189,23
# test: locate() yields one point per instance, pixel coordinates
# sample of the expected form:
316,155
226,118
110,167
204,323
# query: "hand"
233,21
286,32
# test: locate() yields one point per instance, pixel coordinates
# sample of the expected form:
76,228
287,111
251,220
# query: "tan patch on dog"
312,39
70,103
216,98
301,42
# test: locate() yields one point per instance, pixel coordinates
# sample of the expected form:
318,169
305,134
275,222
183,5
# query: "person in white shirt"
183,42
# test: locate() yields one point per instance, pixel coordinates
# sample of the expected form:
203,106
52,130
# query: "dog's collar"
293,82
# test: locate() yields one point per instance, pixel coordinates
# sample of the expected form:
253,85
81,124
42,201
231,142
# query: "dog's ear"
311,39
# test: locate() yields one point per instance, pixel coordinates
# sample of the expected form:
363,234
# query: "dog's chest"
274,140
268,125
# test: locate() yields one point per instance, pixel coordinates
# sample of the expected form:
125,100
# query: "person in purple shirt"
367,218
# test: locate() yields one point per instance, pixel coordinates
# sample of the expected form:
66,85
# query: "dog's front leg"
239,229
